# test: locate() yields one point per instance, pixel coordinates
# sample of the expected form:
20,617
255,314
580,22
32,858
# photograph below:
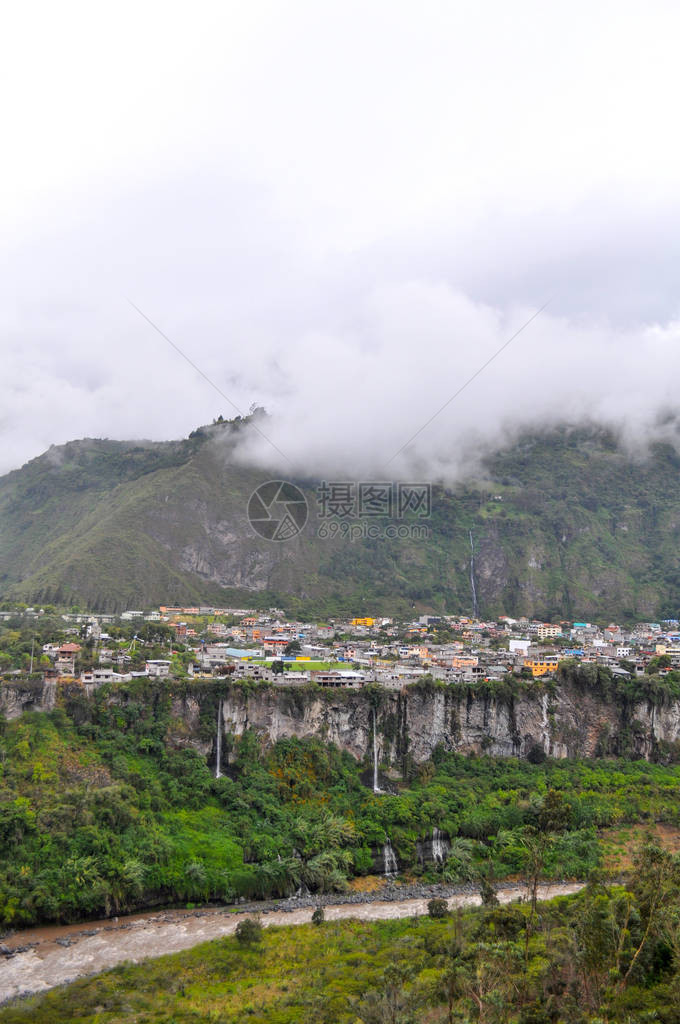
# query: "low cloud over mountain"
341,217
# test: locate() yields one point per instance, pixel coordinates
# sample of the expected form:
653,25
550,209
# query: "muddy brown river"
63,953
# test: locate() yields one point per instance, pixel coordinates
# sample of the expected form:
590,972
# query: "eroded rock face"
569,723
280,714
185,730
15,699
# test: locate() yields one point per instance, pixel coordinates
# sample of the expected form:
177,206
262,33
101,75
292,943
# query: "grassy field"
617,844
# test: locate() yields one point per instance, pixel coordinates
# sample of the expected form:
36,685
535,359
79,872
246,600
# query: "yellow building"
541,668
363,622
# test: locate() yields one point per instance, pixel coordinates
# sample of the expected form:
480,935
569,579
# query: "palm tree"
459,865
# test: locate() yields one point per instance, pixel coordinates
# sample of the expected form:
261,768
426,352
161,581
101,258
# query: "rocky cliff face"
411,724
20,697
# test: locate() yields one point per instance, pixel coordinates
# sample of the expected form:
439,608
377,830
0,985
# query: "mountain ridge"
565,524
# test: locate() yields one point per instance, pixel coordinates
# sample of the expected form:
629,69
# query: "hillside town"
267,647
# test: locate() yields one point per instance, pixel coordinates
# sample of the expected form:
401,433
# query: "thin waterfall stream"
440,846
472,576
376,783
390,862
218,743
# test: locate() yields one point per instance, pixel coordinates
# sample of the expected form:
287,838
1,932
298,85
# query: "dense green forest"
104,807
607,954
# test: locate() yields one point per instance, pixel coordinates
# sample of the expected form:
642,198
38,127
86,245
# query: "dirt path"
64,953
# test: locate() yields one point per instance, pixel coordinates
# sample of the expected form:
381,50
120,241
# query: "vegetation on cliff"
106,806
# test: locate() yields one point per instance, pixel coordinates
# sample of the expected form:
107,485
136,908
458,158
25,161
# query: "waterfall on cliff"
472,576
390,860
49,694
376,785
440,847
545,724
218,743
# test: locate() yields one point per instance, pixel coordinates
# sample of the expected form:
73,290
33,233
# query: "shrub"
536,754
487,893
249,931
438,908
318,917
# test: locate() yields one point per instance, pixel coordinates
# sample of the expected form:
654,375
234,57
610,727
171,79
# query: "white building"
99,676
158,667
519,646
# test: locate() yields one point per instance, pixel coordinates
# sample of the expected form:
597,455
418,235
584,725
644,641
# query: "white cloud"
339,211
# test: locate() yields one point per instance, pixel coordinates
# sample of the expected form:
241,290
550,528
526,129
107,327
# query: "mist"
417,345
341,216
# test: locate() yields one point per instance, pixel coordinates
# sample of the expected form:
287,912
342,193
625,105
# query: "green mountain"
564,524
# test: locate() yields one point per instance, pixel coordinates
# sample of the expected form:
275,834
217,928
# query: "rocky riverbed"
39,958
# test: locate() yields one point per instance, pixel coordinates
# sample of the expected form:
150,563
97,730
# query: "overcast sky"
338,210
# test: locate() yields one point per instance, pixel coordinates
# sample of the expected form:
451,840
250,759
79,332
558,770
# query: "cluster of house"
482,651
113,664
358,651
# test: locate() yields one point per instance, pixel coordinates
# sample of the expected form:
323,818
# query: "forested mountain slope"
563,524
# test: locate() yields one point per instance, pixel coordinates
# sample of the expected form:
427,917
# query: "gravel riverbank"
39,958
